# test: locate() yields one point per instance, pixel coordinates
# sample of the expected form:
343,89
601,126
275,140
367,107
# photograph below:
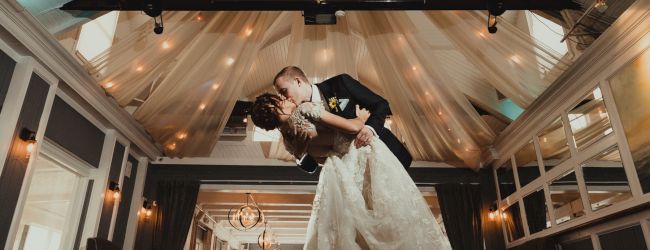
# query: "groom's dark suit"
343,87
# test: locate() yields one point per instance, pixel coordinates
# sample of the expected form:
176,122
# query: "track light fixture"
495,8
153,8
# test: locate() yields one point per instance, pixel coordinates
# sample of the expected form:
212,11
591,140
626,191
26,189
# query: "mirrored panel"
527,167
506,179
536,212
631,90
565,197
589,120
511,218
605,179
553,145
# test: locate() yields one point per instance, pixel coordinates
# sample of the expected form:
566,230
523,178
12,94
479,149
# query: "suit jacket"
345,87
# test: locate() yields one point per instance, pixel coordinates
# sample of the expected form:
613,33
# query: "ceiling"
464,84
287,208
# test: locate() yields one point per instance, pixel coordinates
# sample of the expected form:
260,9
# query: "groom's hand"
363,137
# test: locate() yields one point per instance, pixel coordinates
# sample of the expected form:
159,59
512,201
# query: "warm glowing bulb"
504,216
491,215
166,45
202,106
139,68
215,86
116,194
171,146
199,18
480,34
427,93
181,136
230,61
414,68
30,147
108,85
515,59
544,139
249,31
148,212
439,112
245,120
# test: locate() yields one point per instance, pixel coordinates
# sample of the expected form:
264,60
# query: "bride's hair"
266,110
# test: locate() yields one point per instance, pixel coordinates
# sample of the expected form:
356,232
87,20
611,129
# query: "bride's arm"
350,126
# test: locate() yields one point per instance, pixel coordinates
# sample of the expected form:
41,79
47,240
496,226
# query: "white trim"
24,189
120,181
28,31
623,146
100,177
645,228
13,105
136,203
595,242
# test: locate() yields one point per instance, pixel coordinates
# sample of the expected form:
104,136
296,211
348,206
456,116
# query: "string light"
181,135
139,68
230,61
515,59
166,45
414,68
249,31
215,86
171,146
108,85
202,106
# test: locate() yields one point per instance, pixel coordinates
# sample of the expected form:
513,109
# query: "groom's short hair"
291,72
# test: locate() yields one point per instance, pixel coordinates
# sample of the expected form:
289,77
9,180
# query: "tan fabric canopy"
432,67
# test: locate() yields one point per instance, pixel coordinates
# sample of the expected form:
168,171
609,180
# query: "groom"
341,94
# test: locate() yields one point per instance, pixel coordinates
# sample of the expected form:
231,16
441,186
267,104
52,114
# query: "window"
97,36
546,34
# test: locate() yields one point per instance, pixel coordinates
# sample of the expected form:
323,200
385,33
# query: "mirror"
536,212
565,197
511,218
553,145
605,179
631,91
589,120
527,167
506,179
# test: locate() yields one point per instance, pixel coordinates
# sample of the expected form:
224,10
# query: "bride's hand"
362,114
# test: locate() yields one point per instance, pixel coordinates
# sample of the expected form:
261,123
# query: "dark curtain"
535,211
176,201
630,238
460,206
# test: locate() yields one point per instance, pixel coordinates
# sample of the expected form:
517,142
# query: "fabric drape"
176,201
460,206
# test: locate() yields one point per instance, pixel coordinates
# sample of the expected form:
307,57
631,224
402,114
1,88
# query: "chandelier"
245,217
267,240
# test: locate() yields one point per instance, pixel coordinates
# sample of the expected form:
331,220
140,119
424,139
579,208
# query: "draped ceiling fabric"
432,67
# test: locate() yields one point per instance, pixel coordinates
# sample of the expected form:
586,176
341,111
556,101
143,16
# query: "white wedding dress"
364,197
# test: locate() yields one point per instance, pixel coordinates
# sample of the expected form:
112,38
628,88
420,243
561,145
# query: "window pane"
47,216
511,217
527,167
506,179
96,36
553,145
565,197
631,89
589,120
536,212
605,179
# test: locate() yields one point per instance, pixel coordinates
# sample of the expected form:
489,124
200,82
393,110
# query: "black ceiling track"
313,5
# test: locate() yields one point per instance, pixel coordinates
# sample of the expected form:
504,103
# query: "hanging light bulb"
30,138
115,188
245,217
266,240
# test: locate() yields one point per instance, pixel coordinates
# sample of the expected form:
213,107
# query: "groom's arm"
377,105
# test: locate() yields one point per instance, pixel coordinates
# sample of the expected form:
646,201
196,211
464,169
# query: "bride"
364,197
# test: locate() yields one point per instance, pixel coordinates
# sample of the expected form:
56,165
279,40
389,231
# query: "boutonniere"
334,103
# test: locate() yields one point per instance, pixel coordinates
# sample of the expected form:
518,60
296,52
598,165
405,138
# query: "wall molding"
27,30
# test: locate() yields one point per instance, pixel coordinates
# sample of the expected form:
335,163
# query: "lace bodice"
306,118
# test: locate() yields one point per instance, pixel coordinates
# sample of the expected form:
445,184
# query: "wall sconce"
494,213
115,188
146,207
29,137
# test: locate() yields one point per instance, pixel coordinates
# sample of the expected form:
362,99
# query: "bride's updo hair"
266,110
